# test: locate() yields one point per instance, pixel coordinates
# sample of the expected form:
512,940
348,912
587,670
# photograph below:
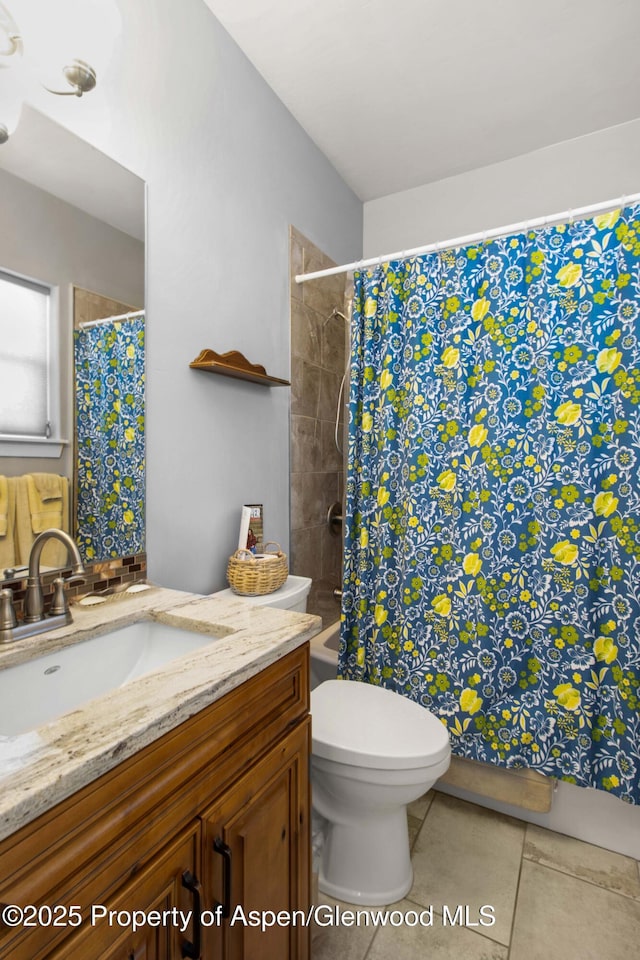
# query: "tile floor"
552,896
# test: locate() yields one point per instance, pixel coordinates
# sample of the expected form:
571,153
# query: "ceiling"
55,160
397,94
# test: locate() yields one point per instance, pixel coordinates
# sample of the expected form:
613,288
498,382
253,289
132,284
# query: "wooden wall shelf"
235,364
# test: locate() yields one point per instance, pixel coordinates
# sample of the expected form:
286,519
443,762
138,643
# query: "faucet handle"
7,615
59,603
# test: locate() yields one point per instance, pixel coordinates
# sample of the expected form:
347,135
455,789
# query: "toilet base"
368,900
367,862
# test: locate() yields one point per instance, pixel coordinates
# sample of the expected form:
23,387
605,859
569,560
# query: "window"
28,407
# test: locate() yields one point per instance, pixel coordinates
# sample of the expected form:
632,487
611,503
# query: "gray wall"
598,167
228,169
48,240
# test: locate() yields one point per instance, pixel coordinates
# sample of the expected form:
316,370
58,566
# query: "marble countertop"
40,768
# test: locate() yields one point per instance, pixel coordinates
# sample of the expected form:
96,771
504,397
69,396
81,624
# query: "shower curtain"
110,443
492,556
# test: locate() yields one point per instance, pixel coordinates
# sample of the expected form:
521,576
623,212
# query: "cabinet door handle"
225,851
192,950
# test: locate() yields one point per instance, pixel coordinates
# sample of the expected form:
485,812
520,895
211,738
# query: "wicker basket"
251,576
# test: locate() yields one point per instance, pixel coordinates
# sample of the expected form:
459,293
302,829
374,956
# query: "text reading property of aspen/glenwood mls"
322,915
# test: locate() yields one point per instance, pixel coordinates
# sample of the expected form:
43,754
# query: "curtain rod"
524,225
122,316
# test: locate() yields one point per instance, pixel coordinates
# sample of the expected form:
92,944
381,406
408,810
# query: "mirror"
74,220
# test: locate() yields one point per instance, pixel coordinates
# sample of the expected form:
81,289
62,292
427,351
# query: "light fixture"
10,103
11,70
61,45
9,36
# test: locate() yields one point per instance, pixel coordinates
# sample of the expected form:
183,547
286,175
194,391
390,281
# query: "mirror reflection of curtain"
110,442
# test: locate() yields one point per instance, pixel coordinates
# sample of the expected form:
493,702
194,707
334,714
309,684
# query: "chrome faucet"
35,620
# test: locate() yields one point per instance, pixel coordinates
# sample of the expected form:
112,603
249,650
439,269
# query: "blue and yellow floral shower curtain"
492,559
110,464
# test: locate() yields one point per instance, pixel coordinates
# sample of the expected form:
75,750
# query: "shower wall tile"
321,296
318,356
296,263
331,557
314,257
323,602
332,460
305,387
333,344
329,389
305,558
326,294
306,445
306,332
311,496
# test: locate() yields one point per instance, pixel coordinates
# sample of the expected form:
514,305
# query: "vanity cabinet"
256,854
214,812
161,887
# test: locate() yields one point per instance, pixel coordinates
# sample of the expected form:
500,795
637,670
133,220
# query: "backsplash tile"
105,576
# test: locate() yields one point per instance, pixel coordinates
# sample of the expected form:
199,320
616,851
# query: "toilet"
292,595
374,751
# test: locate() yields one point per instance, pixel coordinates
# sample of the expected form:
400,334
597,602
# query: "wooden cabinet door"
256,857
165,885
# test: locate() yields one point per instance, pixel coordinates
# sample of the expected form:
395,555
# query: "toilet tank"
292,595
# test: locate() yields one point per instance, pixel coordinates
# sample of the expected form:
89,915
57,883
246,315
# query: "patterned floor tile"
561,916
333,940
583,860
414,826
470,856
419,808
410,940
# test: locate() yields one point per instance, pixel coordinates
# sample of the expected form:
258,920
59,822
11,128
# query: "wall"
228,169
318,357
601,166
46,239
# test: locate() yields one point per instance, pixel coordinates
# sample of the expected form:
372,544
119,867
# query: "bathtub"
324,654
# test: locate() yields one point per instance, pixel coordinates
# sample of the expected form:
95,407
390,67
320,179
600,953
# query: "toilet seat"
369,726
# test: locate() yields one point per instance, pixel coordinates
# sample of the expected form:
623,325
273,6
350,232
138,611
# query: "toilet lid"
370,726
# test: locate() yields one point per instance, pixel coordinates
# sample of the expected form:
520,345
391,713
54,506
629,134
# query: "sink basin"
42,689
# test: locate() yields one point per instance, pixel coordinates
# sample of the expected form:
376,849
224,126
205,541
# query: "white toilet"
374,751
292,595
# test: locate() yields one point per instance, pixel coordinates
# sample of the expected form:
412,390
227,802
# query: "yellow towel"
33,515
45,511
48,485
7,523
4,506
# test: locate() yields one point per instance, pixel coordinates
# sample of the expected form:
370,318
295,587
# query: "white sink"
42,689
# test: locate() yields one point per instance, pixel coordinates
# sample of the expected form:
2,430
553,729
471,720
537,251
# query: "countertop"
42,767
